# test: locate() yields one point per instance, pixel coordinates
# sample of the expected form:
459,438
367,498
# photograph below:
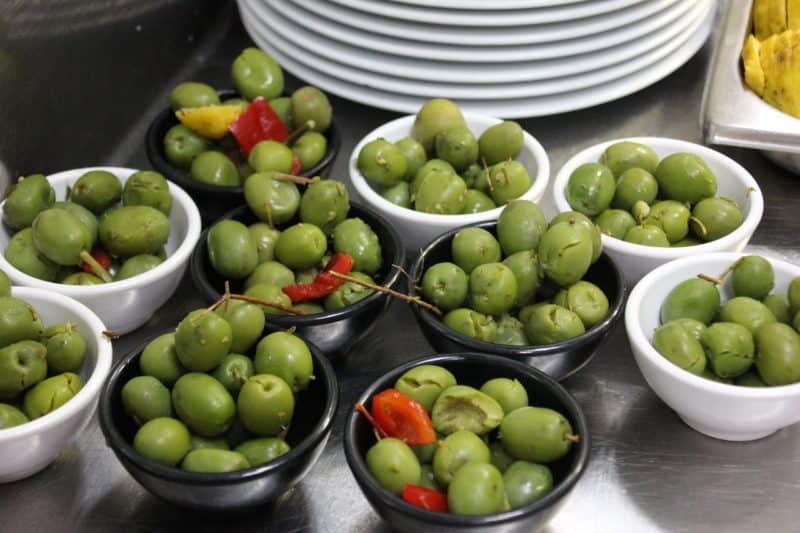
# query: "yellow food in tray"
771,57
211,121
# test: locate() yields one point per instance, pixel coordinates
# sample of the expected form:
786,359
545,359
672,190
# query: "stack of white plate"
507,58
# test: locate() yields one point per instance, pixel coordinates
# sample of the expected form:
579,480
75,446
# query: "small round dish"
216,200
124,305
471,369
559,360
733,181
420,228
311,426
719,410
335,331
32,446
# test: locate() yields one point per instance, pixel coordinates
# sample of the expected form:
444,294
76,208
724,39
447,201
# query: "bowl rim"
126,453
755,209
97,378
154,150
360,471
373,198
198,261
641,344
172,263
595,333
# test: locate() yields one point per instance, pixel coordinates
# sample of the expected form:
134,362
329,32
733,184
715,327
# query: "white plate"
471,73
483,19
490,5
663,46
458,35
524,107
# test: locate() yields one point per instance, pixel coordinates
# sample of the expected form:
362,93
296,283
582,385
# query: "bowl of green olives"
541,293
212,162
477,164
220,413
146,241
504,445
50,376
657,199
716,338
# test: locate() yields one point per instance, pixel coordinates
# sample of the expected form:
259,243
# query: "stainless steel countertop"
648,471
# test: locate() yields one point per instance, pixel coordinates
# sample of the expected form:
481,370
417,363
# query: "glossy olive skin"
647,235
256,73
214,168
565,252
686,178
778,359
160,360
634,185
147,187
246,321
492,288
287,356
231,249
325,204
680,347
458,146
262,451
528,274
18,321
50,394
621,156
693,298
509,393
134,230
526,482
354,237
265,405
29,197
164,440
455,451
445,285
586,300
472,247
348,293
729,347
283,108
234,370
778,304
265,237
23,255
393,464
713,218
464,408
440,192
500,142
192,94
271,272
310,148
746,311
269,293
309,104
145,398
83,214
302,246
752,276
202,339
536,434
549,323
476,202
476,489
590,189
61,236
270,156
471,323
66,347
182,145
499,456
211,460
425,383
138,264
750,379
432,165
672,217
399,194
203,404
510,180
694,327
414,154
96,190
22,365
434,116
382,162
510,331
10,416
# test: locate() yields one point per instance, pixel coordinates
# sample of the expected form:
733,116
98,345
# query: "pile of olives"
635,197
463,174
219,161
198,395
493,450
523,286
54,239
751,339
38,365
281,250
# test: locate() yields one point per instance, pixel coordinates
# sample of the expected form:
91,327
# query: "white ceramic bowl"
728,412
418,229
124,305
636,260
28,448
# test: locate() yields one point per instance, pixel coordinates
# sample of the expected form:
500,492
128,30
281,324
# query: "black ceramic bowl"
472,369
558,360
309,431
215,200
335,331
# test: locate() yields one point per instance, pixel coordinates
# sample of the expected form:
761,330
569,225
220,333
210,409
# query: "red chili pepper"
403,417
324,284
259,122
101,256
429,499
297,165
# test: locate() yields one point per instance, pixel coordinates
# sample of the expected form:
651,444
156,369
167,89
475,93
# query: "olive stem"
379,432
259,301
703,228
405,297
110,334
712,279
488,174
572,438
299,180
309,125
96,267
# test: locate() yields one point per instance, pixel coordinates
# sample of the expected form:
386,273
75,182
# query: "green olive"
256,73
425,383
203,404
625,155
30,196
134,230
590,189
192,94
500,142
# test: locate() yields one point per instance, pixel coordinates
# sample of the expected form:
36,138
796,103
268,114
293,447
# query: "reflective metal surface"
648,471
